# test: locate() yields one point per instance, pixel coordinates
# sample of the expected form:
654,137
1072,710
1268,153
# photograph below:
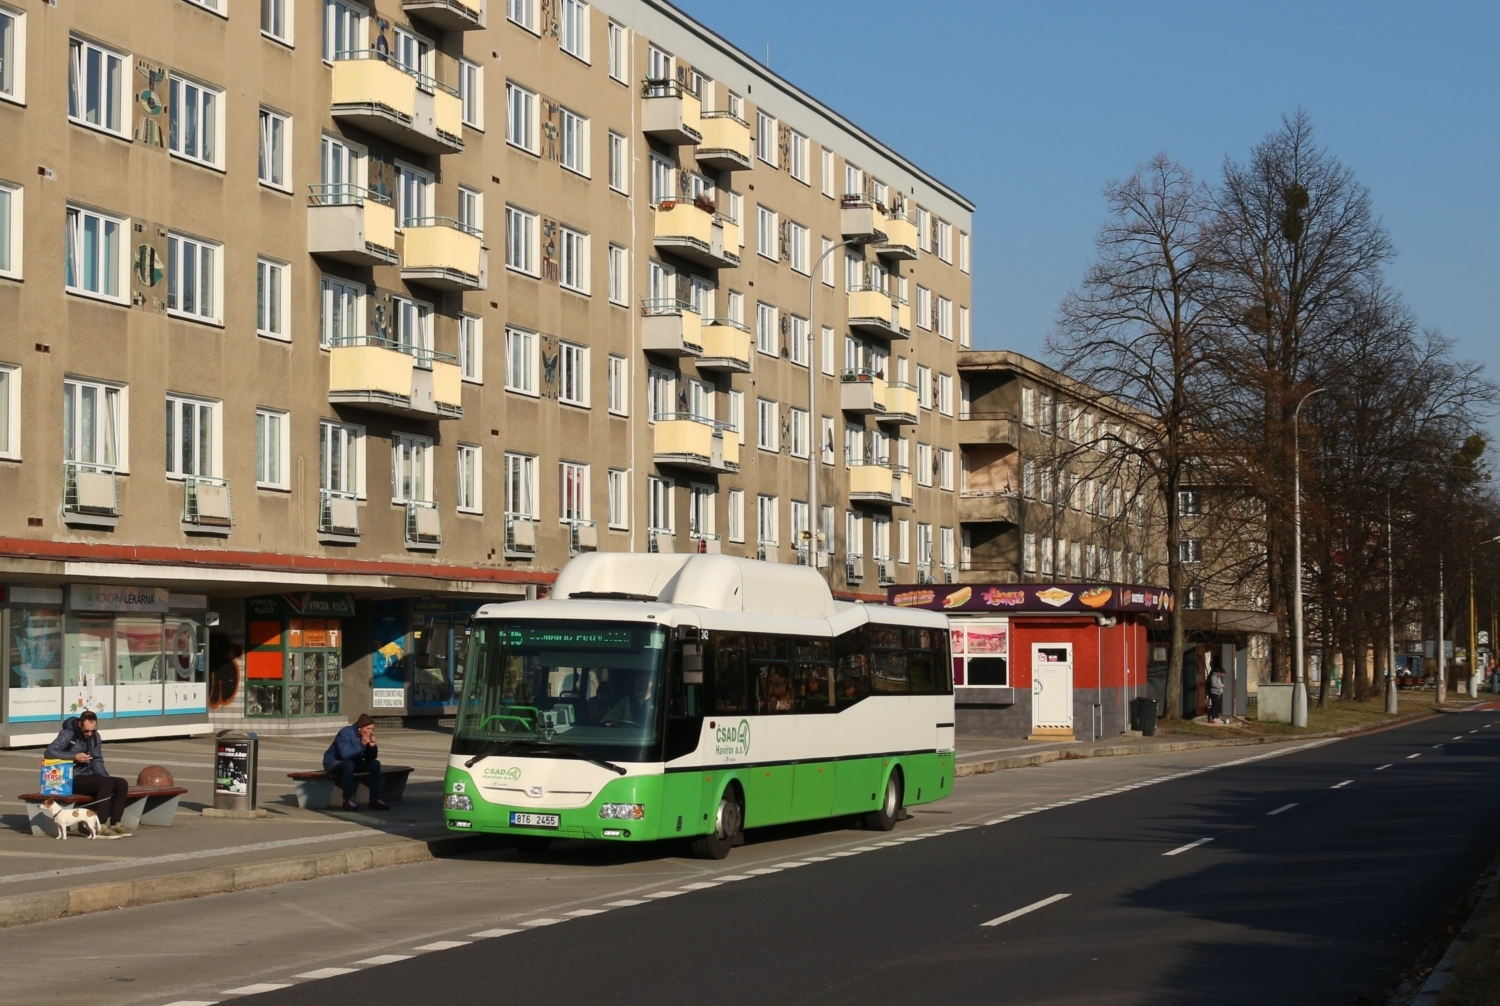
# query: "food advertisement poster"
1032,597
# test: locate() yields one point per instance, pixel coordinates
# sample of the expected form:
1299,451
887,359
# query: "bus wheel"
728,822
531,845
889,813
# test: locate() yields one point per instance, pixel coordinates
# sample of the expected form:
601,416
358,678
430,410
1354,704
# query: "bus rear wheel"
729,819
889,813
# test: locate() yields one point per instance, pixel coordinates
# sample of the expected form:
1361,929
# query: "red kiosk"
1044,660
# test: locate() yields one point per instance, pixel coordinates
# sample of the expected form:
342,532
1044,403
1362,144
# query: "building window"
737,414
924,464
765,233
945,241
471,348
573,497
800,429
663,180
965,336
94,261
1028,407
413,195
854,534
619,385
1189,503
1189,551
1194,601
767,433
765,520
573,261
520,123
11,201
94,423
799,154
413,328
193,121
659,508
619,173
800,336
618,275
963,251
470,479
924,386
96,87
573,28
12,54
272,299
520,485
471,93
619,52
765,139
661,394
801,248
945,394
10,412
272,448
193,437
192,278
924,307
275,167
573,374
924,232
828,172
522,12
573,144
825,439
854,180
411,469
343,30
520,240
619,495
342,322
471,210
945,469
341,455
520,361
1028,553
736,515
765,329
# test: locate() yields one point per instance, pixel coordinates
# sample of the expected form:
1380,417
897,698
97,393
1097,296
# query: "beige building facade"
322,323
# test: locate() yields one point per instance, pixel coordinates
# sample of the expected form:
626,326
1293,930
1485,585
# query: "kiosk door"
1052,687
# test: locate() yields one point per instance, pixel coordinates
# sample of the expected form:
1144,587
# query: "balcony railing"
424,525
383,96
583,536
696,442
207,505
872,309
520,535
871,482
440,252
989,506
671,112
885,572
726,346
385,375
90,495
987,427
447,15
350,223
767,550
900,403
671,327
707,543
861,219
661,540
726,142
854,568
695,233
900,241
338,516
862,391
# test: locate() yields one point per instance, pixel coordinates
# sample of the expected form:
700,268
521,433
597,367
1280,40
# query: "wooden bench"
319,789
154,806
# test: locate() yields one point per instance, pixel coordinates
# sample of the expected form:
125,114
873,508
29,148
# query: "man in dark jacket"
354,750
79,740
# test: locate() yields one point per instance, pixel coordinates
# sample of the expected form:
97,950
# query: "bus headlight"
454,801
623,811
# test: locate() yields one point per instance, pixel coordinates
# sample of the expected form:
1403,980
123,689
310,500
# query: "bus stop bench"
319,790
149,805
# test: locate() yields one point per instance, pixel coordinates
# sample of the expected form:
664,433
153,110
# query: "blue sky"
1028,109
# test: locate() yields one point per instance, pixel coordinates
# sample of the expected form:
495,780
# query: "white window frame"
945,241
702,504
10,412
827,267
573,29
618,482
736,515
416,194
765,138
737,414
353,17
619,164
924,386
271,122
767,233
520,484
273,426
13,56
799,340
471,94
903,541
120,265
521,117
965,335
522,362
924,307
12,224
801,248
468,491
573,142
215,460
523,13
945,469
573,492
209,97
351,441
471,348
924,230
79,61
828,348
767,425
945,394
282,11
573,374
661,504
767,529
573,260
350,297
945,318
767,329
619,385
924,464
273,299
619,54
411,454
619,273
828,172
800,433
963,252
825,439
800,154
177,245
525,224
661,393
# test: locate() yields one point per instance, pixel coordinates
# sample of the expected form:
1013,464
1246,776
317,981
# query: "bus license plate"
519,820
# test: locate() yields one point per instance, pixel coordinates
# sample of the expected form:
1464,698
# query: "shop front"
419,649
135,655
294,658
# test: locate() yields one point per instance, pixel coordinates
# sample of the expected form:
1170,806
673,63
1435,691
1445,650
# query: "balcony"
671,328
726,346
520,536
693,231
989,507
854,569
767,550
381,96
660,540
338,518
447,15
206,505
900,242
900,403
583,536
862,392
695,442
706,542
90,497
873,310
671,113
385,376
987,428
442,253
861,219
424,526
901,486
726,142
351,224
872,482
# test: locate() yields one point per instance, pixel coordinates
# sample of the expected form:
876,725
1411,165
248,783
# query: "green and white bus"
694,696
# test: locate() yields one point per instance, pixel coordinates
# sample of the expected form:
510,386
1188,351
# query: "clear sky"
1029,108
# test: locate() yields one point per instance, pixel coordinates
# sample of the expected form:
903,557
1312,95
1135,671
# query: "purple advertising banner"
1002,597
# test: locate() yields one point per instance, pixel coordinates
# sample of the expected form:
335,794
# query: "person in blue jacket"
79,742
354,750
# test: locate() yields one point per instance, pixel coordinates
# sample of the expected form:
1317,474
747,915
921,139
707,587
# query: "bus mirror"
692,660
692,677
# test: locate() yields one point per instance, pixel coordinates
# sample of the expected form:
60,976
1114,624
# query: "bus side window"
773,690
813,688
725,657
851,667
921,662
889,671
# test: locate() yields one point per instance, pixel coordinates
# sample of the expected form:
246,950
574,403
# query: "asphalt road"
1313,877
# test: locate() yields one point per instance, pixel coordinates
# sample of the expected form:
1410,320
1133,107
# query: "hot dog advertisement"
1001,597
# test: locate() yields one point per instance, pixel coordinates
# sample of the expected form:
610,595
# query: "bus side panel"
857,786
813,785
928,777
682,804
768,795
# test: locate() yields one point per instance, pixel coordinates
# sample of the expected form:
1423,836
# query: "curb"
962,769
1442,975
24,909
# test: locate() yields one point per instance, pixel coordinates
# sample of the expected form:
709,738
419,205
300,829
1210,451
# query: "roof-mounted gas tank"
717,582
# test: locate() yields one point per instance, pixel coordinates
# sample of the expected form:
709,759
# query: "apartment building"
561,275
1051,487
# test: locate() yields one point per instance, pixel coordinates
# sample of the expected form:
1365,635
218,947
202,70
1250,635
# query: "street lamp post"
1299,680
1392,704
814,514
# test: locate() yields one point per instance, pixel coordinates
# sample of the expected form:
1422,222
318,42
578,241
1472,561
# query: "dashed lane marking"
538,923
1184,848
583,913
1341,785
1416,755
384,959
1028,909
489,934
701,885
326,973
658,895
443,945
624,903
1280,810
1382,768
250,990
763,871
729,877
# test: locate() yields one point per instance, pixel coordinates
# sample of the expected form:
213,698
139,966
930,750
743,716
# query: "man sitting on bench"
79,741
354,750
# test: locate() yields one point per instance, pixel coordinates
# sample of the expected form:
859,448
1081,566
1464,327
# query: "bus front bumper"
621,811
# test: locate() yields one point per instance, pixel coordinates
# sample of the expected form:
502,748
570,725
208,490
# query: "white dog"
65,818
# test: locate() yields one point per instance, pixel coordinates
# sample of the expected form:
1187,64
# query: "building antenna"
768,55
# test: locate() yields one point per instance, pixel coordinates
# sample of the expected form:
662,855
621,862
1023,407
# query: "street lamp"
814,515
1299,680
1473,634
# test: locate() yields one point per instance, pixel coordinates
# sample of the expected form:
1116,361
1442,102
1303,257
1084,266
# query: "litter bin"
236,764
1143,716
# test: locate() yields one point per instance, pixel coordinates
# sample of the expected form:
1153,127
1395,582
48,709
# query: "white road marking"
443,945
1184,848
534,923
250,990
886,845
701,885
841,855
736,876
385,959
195,1002
818,859
1474,731
863,848
763,871
1439,745
665,894
489,934
1029,908
326,973
626,903
789,865
1461,736
1382,768
1280,810
583,913
1341,785
1411,756
990,824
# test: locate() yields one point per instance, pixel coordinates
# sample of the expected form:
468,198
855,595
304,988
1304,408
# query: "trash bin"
1143,716
236,764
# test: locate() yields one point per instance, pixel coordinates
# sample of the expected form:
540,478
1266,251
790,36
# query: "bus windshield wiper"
575,753
609,595
491,749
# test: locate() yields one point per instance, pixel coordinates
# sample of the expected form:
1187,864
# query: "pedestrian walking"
1216,695
354,750
79,741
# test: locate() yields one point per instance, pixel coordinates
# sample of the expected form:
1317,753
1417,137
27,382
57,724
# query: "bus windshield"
562,688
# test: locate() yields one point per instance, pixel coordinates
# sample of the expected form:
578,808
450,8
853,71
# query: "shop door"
1052,686
441,648
88,666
